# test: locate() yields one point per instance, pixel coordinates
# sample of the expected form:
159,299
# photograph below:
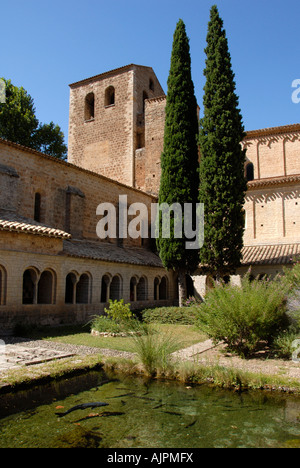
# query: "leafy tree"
17,116
179,160
50,140
222,181
18,123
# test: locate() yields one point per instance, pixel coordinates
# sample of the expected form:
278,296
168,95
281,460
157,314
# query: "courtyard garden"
254,331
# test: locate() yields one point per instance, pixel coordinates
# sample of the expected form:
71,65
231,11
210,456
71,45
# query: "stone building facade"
55,269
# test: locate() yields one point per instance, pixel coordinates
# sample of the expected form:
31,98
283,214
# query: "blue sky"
46,45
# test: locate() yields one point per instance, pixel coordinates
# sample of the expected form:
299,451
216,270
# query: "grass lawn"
186,335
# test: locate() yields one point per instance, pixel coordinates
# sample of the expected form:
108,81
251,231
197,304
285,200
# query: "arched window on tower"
249,172
110,96
89,108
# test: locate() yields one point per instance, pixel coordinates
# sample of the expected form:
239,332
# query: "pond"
146,414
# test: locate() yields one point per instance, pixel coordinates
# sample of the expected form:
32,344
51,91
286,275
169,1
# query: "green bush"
118,319
104,324
171,315
283,345
242,317
118,311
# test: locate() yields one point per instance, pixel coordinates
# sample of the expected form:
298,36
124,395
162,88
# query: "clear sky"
48,44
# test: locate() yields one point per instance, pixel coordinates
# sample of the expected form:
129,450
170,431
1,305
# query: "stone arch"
105,288
142,289
3,285
83,288
46,288
30,285
133,288
163,288
116,288
70,290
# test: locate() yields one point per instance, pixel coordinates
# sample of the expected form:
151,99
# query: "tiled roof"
273,130
111,253
274,181
280,254
12,222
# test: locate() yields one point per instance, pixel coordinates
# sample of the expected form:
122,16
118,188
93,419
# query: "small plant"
284,344
103,324
118,319
118,311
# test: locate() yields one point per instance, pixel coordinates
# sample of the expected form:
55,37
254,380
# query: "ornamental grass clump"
244,317
154,350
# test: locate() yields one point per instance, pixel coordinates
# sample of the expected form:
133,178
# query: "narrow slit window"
249,172
37,207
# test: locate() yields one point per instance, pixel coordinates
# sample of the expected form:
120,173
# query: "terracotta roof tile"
279,254
13,222
274,181
111,253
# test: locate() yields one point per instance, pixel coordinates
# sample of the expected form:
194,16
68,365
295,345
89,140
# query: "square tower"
107,123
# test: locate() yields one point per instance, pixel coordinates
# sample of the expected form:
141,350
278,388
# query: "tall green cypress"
222,181
179,160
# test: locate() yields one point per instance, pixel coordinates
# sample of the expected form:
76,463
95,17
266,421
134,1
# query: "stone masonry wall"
55,180
148,167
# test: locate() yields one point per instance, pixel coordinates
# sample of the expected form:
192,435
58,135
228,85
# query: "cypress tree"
179,161
222,181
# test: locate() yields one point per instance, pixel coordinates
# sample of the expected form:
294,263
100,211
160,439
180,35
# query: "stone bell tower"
107,120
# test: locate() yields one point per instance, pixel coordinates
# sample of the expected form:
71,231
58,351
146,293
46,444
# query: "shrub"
244,316
284,344
104,324
118,311
171,315
118,319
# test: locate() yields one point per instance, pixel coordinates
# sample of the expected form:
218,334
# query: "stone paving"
194,350
16,355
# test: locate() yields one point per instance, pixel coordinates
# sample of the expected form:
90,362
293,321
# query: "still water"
146,415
